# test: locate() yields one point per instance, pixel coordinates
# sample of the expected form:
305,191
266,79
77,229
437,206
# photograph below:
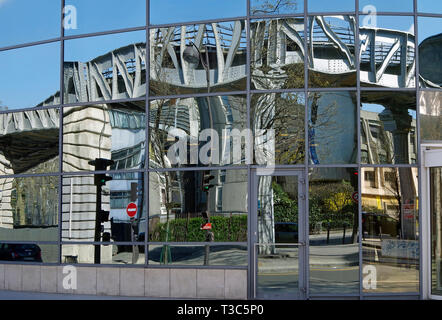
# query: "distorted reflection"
282,114
198,206
198,131
278,236
430,107
112,131
333,229
388,128
277,53
105,67
268,7
80,216
331,51
390,237
331,142
198,58
29,141
109,254
430,45
220,255
29,252
387,51
29,209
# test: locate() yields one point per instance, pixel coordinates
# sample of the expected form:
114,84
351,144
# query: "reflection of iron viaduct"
387,60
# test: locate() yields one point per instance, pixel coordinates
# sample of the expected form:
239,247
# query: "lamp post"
193,56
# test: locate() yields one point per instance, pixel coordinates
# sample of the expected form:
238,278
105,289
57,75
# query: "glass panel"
162,12
20,18
29,142
277,265
436,229
333,224
277,53
429,6
198,58
331,142
199,131
220,255
430,46
105,67
280,276
331,6
390,240
278,123
373,6
182,203
430,116
30,76
85,16
29,209
331,51
113,131
388,127
387,54
29,252
80,210
110,254
267,7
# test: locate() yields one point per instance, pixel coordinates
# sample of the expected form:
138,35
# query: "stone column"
86,136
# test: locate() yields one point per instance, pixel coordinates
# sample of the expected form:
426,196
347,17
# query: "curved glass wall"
183,110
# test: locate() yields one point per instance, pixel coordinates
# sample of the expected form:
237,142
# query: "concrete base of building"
50,282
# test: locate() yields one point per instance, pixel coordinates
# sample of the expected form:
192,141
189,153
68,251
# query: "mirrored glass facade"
281,138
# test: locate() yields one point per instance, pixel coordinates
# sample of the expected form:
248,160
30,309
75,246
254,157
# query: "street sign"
131,209
355,197
206,226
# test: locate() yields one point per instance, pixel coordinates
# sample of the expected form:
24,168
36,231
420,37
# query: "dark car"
20,252
286,232
378,224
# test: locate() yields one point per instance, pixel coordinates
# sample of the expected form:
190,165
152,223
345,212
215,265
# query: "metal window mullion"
306,156
147,137
418,150
60,135
250,206
358,160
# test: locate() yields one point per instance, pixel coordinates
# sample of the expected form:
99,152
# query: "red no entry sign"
355,197
131,209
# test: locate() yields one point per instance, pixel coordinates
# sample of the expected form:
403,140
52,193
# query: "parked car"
377,224
286,232
20,252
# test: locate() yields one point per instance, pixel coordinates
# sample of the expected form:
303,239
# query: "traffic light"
106,237
206,185
102,216
100,164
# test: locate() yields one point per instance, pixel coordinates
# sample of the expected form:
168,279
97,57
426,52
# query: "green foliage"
225,229
285,209
330,203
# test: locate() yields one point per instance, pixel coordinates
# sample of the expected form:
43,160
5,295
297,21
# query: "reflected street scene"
333,231
388,128
390,229
278,245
